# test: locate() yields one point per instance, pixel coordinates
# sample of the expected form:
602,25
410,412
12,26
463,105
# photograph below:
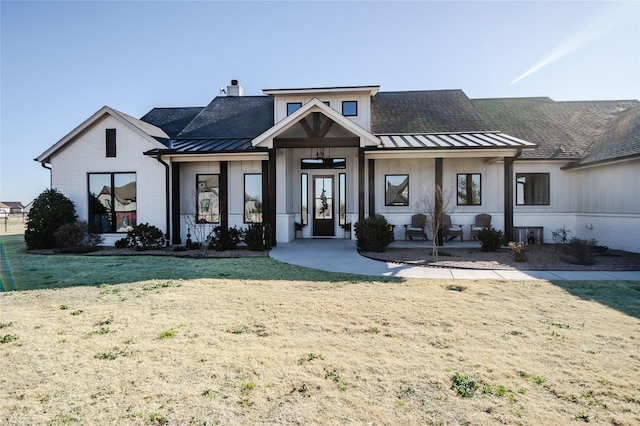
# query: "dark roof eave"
578,165
156,152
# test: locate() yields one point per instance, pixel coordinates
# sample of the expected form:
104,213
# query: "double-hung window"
112,202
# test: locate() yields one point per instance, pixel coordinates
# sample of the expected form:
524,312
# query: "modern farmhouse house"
316,160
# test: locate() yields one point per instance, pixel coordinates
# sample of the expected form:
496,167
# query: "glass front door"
323,208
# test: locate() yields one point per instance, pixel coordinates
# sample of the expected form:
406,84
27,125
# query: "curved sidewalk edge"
337,255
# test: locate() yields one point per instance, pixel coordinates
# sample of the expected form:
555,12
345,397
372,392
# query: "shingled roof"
620,140
171,120
562,130
584,132
231,117
434,111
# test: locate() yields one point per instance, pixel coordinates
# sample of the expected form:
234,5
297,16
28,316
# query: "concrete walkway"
337,255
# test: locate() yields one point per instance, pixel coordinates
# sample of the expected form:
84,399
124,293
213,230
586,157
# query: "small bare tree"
434,205
198,228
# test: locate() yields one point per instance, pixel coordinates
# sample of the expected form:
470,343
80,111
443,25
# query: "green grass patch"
28,271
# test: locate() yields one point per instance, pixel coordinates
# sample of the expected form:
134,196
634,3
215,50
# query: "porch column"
269,189
224,194
175,203
508,198
372,187
361,164
438,189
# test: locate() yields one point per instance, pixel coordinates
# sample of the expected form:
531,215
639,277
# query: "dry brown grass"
292,352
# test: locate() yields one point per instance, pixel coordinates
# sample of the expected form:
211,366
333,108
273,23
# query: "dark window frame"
345,104
198,218
112,216
244,204
291,105
468,195
110,143
304,199
386,186
527,190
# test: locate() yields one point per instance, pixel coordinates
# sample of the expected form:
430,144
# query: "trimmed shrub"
145,237
122,243
258,237
373,234
579,251
75,238
225,238
49,212
491,239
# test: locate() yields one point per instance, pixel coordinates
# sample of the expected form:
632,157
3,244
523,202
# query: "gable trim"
314,105
70,137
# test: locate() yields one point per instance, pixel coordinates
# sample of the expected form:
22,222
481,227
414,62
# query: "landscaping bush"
145,237
49,212
373,234
225,238
519,251
258,237
491,239
579,251
122,243
75,238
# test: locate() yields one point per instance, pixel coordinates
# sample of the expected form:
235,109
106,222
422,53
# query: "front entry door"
323,217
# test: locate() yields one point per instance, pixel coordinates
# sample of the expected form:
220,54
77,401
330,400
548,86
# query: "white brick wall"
87,154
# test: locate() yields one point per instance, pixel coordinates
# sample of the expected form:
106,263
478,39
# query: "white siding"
87,154
609,205
363,119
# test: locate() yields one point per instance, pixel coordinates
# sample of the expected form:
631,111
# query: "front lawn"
160,340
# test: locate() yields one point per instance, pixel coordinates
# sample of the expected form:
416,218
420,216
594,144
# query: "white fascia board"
97,116
231,156
370,90
314,105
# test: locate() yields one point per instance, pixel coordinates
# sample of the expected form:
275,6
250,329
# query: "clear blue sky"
62,61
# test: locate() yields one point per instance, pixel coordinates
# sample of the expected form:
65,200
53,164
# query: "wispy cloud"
591,31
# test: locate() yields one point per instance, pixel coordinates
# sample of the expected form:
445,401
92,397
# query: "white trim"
438,153
314,105
370,90
105,110
190,158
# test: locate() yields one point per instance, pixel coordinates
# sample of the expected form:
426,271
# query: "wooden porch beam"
352,142
307,129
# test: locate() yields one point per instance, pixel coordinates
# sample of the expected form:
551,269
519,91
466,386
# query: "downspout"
44,166
508,195
166,198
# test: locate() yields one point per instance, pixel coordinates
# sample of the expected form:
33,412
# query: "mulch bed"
112,251
540,257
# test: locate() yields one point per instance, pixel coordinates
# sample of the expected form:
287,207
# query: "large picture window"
252,198
112,202
396,190
208,201
532,189
469,189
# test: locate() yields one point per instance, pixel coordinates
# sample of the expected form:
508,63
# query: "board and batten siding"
87,154
608,208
